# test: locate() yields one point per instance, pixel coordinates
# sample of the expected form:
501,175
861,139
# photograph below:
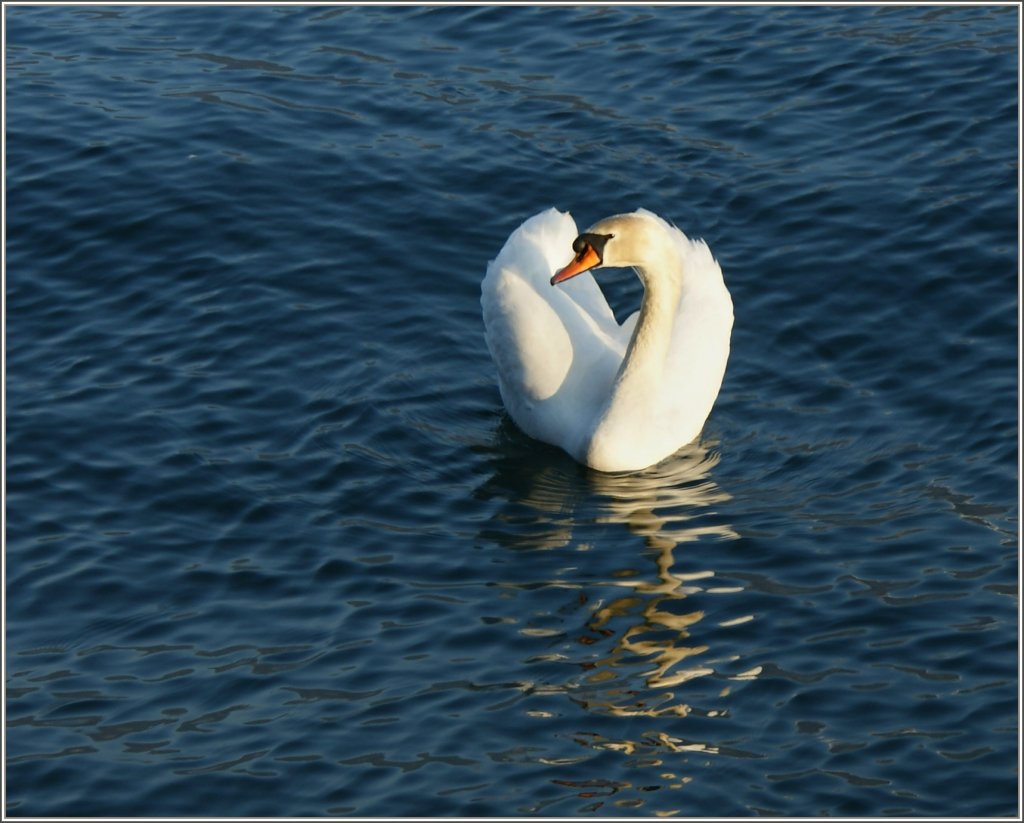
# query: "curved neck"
644,242
644,360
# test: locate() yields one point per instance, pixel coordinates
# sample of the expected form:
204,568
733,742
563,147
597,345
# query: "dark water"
273,547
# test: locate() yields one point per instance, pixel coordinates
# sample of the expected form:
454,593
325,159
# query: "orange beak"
584,261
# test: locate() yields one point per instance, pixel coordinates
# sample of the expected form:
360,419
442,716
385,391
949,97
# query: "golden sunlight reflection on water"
640,651
664,506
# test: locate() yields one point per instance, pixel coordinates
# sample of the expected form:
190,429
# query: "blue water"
274,548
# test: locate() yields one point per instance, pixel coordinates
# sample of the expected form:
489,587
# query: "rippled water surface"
274,548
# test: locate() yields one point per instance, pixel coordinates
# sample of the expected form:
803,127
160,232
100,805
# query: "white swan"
615,397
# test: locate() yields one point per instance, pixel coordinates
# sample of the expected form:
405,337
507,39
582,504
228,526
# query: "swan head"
623,240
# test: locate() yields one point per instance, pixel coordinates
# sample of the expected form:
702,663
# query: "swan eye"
596,242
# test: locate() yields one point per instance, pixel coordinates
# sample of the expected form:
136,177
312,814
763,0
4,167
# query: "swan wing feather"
542,338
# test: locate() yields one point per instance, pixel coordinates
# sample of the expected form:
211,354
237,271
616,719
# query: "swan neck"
649,344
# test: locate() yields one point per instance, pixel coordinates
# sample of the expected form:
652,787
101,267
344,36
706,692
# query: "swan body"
617,397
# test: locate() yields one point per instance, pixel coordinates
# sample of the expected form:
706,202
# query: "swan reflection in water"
641,645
